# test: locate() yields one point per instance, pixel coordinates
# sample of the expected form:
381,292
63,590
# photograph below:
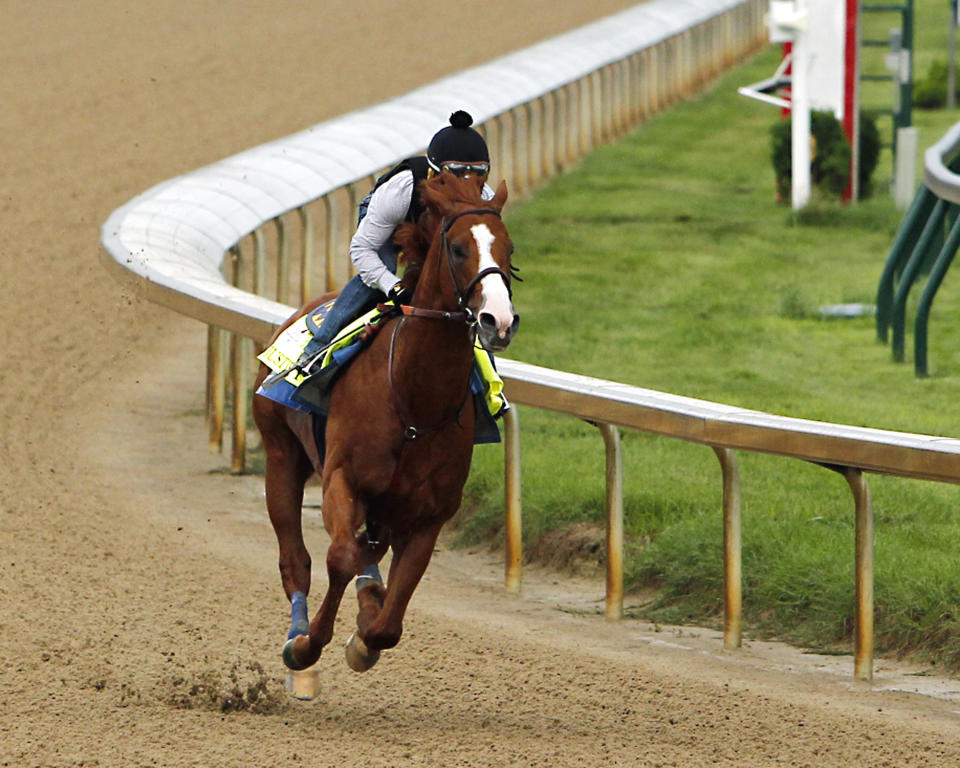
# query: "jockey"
456,149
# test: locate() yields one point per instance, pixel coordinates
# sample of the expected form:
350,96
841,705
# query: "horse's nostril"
515,324
488,321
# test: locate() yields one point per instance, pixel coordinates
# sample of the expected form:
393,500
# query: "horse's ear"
500,196
436,196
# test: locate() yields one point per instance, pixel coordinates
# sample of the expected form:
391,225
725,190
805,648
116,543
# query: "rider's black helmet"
457,142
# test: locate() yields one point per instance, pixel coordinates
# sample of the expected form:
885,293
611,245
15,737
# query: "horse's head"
474,252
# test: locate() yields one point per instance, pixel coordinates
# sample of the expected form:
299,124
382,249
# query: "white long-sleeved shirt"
387,211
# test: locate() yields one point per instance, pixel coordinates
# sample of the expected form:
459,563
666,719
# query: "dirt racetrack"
141,615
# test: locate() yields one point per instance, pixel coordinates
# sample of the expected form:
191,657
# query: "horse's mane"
439,194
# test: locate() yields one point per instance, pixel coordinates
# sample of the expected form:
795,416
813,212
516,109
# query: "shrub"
829,153
930,92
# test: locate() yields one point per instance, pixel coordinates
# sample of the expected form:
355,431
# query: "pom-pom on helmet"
457,142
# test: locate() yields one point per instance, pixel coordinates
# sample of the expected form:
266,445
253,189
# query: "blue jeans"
355,299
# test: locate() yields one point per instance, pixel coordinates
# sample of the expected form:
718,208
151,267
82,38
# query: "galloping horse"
399,434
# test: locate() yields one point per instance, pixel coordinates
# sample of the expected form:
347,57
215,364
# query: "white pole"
800,111
905,174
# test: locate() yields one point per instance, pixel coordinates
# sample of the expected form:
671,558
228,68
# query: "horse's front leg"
370,595
381,629
342,515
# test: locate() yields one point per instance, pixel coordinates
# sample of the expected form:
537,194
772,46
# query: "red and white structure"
820,70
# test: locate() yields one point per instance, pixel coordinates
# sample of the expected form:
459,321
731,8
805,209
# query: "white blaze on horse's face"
496,298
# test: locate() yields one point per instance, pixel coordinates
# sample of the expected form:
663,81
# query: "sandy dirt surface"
141,615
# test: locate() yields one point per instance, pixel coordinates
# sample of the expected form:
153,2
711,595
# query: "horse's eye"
458,251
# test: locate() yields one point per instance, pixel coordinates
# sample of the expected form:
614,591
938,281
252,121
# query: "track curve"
139,603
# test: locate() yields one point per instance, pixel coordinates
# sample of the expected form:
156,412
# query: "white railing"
219,244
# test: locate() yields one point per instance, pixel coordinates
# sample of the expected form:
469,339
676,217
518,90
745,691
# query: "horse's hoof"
359,657
289,659
305,684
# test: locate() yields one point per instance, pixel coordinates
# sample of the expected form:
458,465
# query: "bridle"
465,314
463,294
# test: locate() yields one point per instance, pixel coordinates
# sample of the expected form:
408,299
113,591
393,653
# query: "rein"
435,314
411,432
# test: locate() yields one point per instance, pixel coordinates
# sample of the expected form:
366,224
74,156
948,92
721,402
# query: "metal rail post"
239,362
863,570
514,513
505,123
330,278
863,629
283,261
216,386
354,196
238,378
564,124
732,560
573,127
521,149
536,136
306,254
259,277
655,100
614,464
550,140
633,91
491,133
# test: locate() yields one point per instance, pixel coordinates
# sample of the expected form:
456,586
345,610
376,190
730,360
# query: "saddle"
303,371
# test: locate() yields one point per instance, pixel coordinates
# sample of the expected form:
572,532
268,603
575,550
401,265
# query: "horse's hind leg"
287,470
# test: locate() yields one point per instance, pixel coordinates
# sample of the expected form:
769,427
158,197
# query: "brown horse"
399,434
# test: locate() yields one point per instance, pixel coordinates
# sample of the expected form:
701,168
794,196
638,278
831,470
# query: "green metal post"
903,245
906,88
940,268
909,275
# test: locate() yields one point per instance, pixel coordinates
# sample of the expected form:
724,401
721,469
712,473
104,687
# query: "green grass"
664,261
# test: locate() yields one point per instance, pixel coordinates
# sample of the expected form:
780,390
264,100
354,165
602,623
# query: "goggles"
466,169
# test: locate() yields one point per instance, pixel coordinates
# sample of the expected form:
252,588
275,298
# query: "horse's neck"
434,355
430,368
434,287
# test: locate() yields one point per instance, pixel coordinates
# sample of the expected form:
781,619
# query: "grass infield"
664,261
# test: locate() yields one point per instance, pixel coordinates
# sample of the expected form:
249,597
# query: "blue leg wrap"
370,575
299,623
